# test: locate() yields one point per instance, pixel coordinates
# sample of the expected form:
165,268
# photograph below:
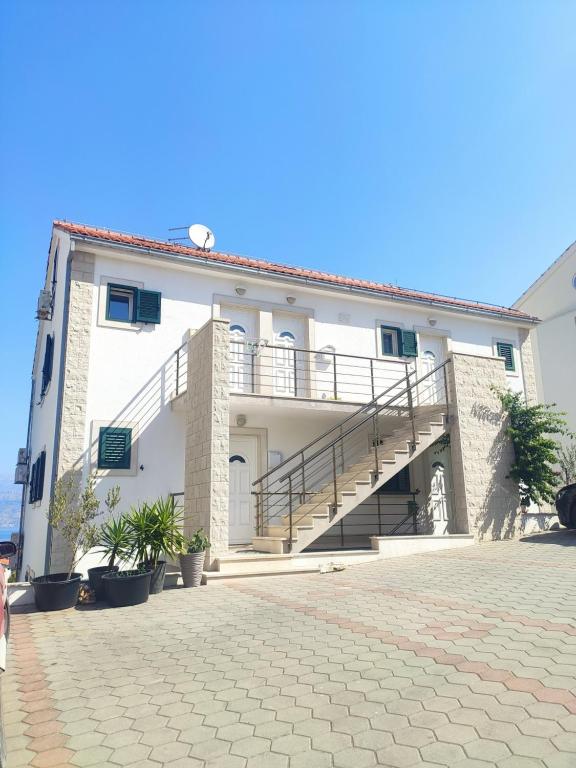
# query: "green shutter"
40,476
32,496
148,304
114,448
407,343
47,366
507,352
37,478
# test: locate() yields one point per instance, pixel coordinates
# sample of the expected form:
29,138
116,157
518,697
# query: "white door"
242,330
289,365
242,466
431,355
439,500
285,364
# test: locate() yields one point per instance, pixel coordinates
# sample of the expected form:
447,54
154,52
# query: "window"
47,365
114,448
120,305
125,304
397,342
400,483
506,351
37,478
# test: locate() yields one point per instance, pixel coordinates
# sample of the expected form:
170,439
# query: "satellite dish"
201,236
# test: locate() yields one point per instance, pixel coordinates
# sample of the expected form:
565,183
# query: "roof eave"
313,282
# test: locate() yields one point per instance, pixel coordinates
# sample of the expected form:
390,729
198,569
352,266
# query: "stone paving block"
451,659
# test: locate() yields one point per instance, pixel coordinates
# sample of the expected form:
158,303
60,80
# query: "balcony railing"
276,370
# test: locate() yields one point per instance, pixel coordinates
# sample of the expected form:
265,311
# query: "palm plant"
154,530
115,539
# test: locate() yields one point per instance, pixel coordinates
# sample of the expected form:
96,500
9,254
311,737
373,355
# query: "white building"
171,370
553,298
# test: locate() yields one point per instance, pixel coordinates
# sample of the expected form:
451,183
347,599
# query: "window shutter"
407,343
507,352
37,478
148,304
47,367
114,448
32,494
40,476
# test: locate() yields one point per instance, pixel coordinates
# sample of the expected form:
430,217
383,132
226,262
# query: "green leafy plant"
72,511
115,540
198,542
155,530
567,462
536,452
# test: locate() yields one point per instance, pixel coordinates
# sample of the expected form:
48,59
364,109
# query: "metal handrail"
335,427
378,410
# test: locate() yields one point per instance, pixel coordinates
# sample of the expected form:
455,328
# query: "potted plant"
156,530
71,513
192,560
114,543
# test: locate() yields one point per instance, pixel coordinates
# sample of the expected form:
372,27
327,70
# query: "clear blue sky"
429,144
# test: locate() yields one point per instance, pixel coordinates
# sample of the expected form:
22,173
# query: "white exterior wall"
553,299
43,417
131,372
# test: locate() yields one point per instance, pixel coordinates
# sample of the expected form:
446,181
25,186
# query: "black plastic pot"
158,576
95,579
56,591
123,588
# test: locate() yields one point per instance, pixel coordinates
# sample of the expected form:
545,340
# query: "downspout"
58,420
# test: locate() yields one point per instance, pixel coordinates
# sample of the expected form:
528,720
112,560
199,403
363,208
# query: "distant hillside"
10,498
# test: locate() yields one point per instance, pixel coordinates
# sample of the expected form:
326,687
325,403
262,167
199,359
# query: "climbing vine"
531,429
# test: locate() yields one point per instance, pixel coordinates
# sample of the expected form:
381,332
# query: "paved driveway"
464,659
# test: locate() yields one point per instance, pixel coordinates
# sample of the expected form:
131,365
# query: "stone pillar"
528,370
206,485
486,501
75,389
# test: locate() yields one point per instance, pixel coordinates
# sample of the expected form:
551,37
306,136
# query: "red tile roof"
385,289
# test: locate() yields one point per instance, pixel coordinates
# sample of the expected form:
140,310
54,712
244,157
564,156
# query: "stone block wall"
206,483
528,370
486,501
75,388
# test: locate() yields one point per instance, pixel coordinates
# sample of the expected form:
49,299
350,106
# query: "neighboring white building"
553,298
168,369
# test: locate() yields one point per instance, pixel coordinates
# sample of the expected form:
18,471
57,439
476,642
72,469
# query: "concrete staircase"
355,484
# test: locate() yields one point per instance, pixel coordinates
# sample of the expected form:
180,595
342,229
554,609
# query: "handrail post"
376,441
334,481
178,369
295,374
446,391
410,408
335,378
290,511
372,378
379,515
303,478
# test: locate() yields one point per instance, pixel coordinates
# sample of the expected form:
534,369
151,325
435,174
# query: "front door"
431,355
439,500
243,466
289,378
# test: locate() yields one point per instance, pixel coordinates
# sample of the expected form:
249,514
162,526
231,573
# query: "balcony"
284,371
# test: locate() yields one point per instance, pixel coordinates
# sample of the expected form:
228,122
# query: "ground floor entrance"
243,467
